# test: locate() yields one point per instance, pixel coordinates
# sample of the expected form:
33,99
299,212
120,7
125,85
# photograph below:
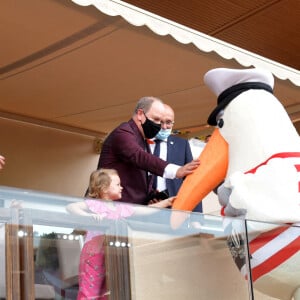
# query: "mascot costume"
254,152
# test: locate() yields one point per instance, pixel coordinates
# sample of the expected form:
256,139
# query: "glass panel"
56,256
275,259
133,252
2,261
191,262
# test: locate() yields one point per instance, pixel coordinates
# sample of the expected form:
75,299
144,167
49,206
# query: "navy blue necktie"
156,152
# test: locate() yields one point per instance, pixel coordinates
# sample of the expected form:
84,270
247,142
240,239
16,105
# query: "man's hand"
2,161
187,168
163,203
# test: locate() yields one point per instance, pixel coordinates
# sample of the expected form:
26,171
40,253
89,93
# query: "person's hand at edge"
2,161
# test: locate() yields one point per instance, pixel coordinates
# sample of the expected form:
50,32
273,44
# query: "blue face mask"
163,134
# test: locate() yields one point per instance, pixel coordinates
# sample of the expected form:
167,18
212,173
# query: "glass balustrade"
151,254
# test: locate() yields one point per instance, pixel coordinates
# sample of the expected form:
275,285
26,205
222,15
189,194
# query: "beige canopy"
81,65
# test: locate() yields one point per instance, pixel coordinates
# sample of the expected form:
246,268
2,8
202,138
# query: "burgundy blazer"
126,150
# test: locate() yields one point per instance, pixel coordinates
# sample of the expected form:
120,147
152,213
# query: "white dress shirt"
161,182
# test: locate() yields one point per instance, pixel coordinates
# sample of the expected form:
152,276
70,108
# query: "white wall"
46,159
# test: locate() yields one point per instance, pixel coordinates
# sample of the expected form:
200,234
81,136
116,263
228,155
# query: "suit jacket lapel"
170,145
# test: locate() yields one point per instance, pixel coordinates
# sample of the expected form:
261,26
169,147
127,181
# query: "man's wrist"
170,171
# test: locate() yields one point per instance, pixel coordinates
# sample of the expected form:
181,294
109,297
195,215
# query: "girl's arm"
78,208
81,208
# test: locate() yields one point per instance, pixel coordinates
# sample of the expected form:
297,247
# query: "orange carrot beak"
211,171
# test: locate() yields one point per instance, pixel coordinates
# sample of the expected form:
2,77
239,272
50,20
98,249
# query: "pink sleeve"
126,210
95,206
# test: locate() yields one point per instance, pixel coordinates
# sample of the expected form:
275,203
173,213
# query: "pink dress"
92,258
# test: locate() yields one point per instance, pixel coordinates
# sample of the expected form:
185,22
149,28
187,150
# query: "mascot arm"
223,196
270,194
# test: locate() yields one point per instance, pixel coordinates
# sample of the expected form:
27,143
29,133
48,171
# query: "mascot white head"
254,152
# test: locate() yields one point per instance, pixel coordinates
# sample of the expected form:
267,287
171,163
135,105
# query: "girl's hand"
170,201
164,203
153,201
15,204
98,217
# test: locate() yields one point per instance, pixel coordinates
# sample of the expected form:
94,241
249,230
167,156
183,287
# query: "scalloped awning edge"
185,35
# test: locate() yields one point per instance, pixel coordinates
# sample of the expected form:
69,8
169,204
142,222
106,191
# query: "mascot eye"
220,121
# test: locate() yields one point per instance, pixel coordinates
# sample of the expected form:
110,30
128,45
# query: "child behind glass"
104,185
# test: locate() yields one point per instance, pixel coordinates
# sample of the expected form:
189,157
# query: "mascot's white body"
262,180
263,176
261,136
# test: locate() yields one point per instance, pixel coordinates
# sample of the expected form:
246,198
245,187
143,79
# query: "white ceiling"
75,68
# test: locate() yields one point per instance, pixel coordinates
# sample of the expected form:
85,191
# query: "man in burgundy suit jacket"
126,150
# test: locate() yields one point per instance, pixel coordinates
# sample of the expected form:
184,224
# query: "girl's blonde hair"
99,180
